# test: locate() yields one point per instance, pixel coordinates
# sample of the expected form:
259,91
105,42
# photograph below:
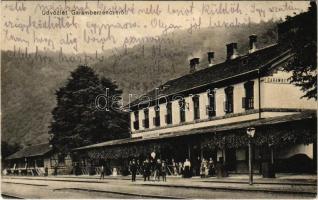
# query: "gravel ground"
122,189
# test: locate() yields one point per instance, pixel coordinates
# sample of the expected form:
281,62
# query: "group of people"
156,169
207,168
181,168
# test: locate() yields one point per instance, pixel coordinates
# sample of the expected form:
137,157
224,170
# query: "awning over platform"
31,151
305,115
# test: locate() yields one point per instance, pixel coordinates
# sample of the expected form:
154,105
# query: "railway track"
41,185
89,190
54,179
132,190
9,196
129,194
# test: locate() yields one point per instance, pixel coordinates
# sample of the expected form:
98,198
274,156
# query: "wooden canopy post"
189,151
272,155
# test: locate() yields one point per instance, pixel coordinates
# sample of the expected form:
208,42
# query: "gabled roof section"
108,143
225,70
31,151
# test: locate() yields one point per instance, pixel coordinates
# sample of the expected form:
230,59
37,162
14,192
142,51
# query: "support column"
223,154
272,155
189,151
201,149
250,162
160,152
315,155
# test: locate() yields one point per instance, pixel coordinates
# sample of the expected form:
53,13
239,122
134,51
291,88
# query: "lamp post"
250,132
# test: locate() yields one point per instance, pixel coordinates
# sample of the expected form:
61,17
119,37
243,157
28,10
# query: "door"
230,159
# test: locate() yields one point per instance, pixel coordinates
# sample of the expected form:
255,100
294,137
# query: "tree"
77,121
303,43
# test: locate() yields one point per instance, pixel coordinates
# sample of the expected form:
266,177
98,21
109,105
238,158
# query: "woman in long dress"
187,169
174,168
211,167
203,168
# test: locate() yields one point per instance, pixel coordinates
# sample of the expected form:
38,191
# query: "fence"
37,171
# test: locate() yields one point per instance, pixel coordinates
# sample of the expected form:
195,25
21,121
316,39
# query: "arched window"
156,119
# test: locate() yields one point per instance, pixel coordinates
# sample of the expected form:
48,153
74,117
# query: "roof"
230,68
305,115
31,151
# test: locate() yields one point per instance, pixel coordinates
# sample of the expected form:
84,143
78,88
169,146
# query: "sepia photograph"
158,99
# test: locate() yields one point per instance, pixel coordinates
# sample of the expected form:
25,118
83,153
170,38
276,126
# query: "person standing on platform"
164,171
138,167
102,172
46,171
146,170
153,169
187,168
158,170
203,168
174,167
211,167
55,170
133,170
180,168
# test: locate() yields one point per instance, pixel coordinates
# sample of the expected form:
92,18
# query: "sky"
60,26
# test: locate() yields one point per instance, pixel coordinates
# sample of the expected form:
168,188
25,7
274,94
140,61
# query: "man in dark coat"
164,170
55,170
146,170
158,170
102,172
133,170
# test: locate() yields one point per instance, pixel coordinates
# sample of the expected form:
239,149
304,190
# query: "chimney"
231,51
193,63
253,40
210,58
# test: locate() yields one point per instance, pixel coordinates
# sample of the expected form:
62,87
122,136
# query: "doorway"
230,159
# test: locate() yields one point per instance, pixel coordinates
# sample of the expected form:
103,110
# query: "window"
145,122
210,109
182,110
169,113
228,104
156,119
248,100
136,122
196,107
